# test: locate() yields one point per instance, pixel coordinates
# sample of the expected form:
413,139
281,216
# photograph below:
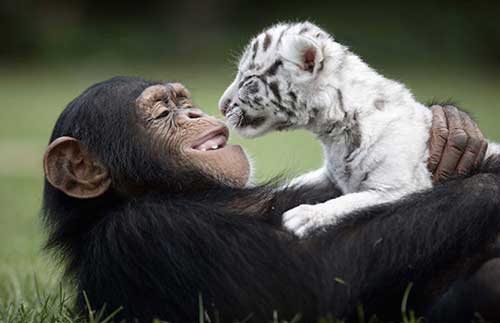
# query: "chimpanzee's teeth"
214,143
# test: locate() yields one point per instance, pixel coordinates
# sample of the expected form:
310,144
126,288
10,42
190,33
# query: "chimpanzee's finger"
473,148
455,145
482,154
439,136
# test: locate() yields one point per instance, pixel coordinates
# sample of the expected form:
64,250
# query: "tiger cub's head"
283,79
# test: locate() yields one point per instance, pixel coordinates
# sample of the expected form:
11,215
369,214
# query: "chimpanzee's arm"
294,195
269,201
381,250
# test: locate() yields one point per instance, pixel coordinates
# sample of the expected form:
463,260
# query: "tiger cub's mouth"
238,119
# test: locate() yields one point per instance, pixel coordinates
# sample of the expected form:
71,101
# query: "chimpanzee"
149,208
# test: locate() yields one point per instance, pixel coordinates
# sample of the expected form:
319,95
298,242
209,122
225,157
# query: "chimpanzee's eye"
163,114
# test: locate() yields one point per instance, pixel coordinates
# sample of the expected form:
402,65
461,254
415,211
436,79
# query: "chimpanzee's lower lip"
212,140
214,143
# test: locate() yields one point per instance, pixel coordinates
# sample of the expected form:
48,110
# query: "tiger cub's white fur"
373,131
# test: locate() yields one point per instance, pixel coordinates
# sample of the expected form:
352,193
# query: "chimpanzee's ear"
302,51
74,171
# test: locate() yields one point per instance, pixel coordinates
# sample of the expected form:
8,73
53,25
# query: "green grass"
32,97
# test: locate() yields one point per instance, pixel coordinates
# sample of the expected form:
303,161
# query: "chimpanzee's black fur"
156,253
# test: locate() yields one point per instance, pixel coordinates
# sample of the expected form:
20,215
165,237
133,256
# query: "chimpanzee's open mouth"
215,139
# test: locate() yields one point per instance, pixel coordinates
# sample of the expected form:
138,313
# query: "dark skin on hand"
457,145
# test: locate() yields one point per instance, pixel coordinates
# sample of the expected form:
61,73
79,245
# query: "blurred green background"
52,50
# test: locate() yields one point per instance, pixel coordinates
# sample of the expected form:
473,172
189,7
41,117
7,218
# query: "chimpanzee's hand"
457,145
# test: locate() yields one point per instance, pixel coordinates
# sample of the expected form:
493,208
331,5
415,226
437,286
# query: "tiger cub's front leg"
305,218
314,178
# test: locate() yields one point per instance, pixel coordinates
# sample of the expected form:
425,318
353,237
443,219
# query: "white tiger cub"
296,76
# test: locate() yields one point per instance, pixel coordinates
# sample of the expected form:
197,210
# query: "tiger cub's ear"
302,51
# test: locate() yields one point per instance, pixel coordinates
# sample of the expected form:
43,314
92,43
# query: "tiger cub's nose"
224,106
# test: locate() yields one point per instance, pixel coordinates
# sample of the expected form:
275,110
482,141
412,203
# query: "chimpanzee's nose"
187,115
194,113
224,106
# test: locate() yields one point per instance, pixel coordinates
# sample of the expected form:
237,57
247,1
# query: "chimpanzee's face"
198,141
